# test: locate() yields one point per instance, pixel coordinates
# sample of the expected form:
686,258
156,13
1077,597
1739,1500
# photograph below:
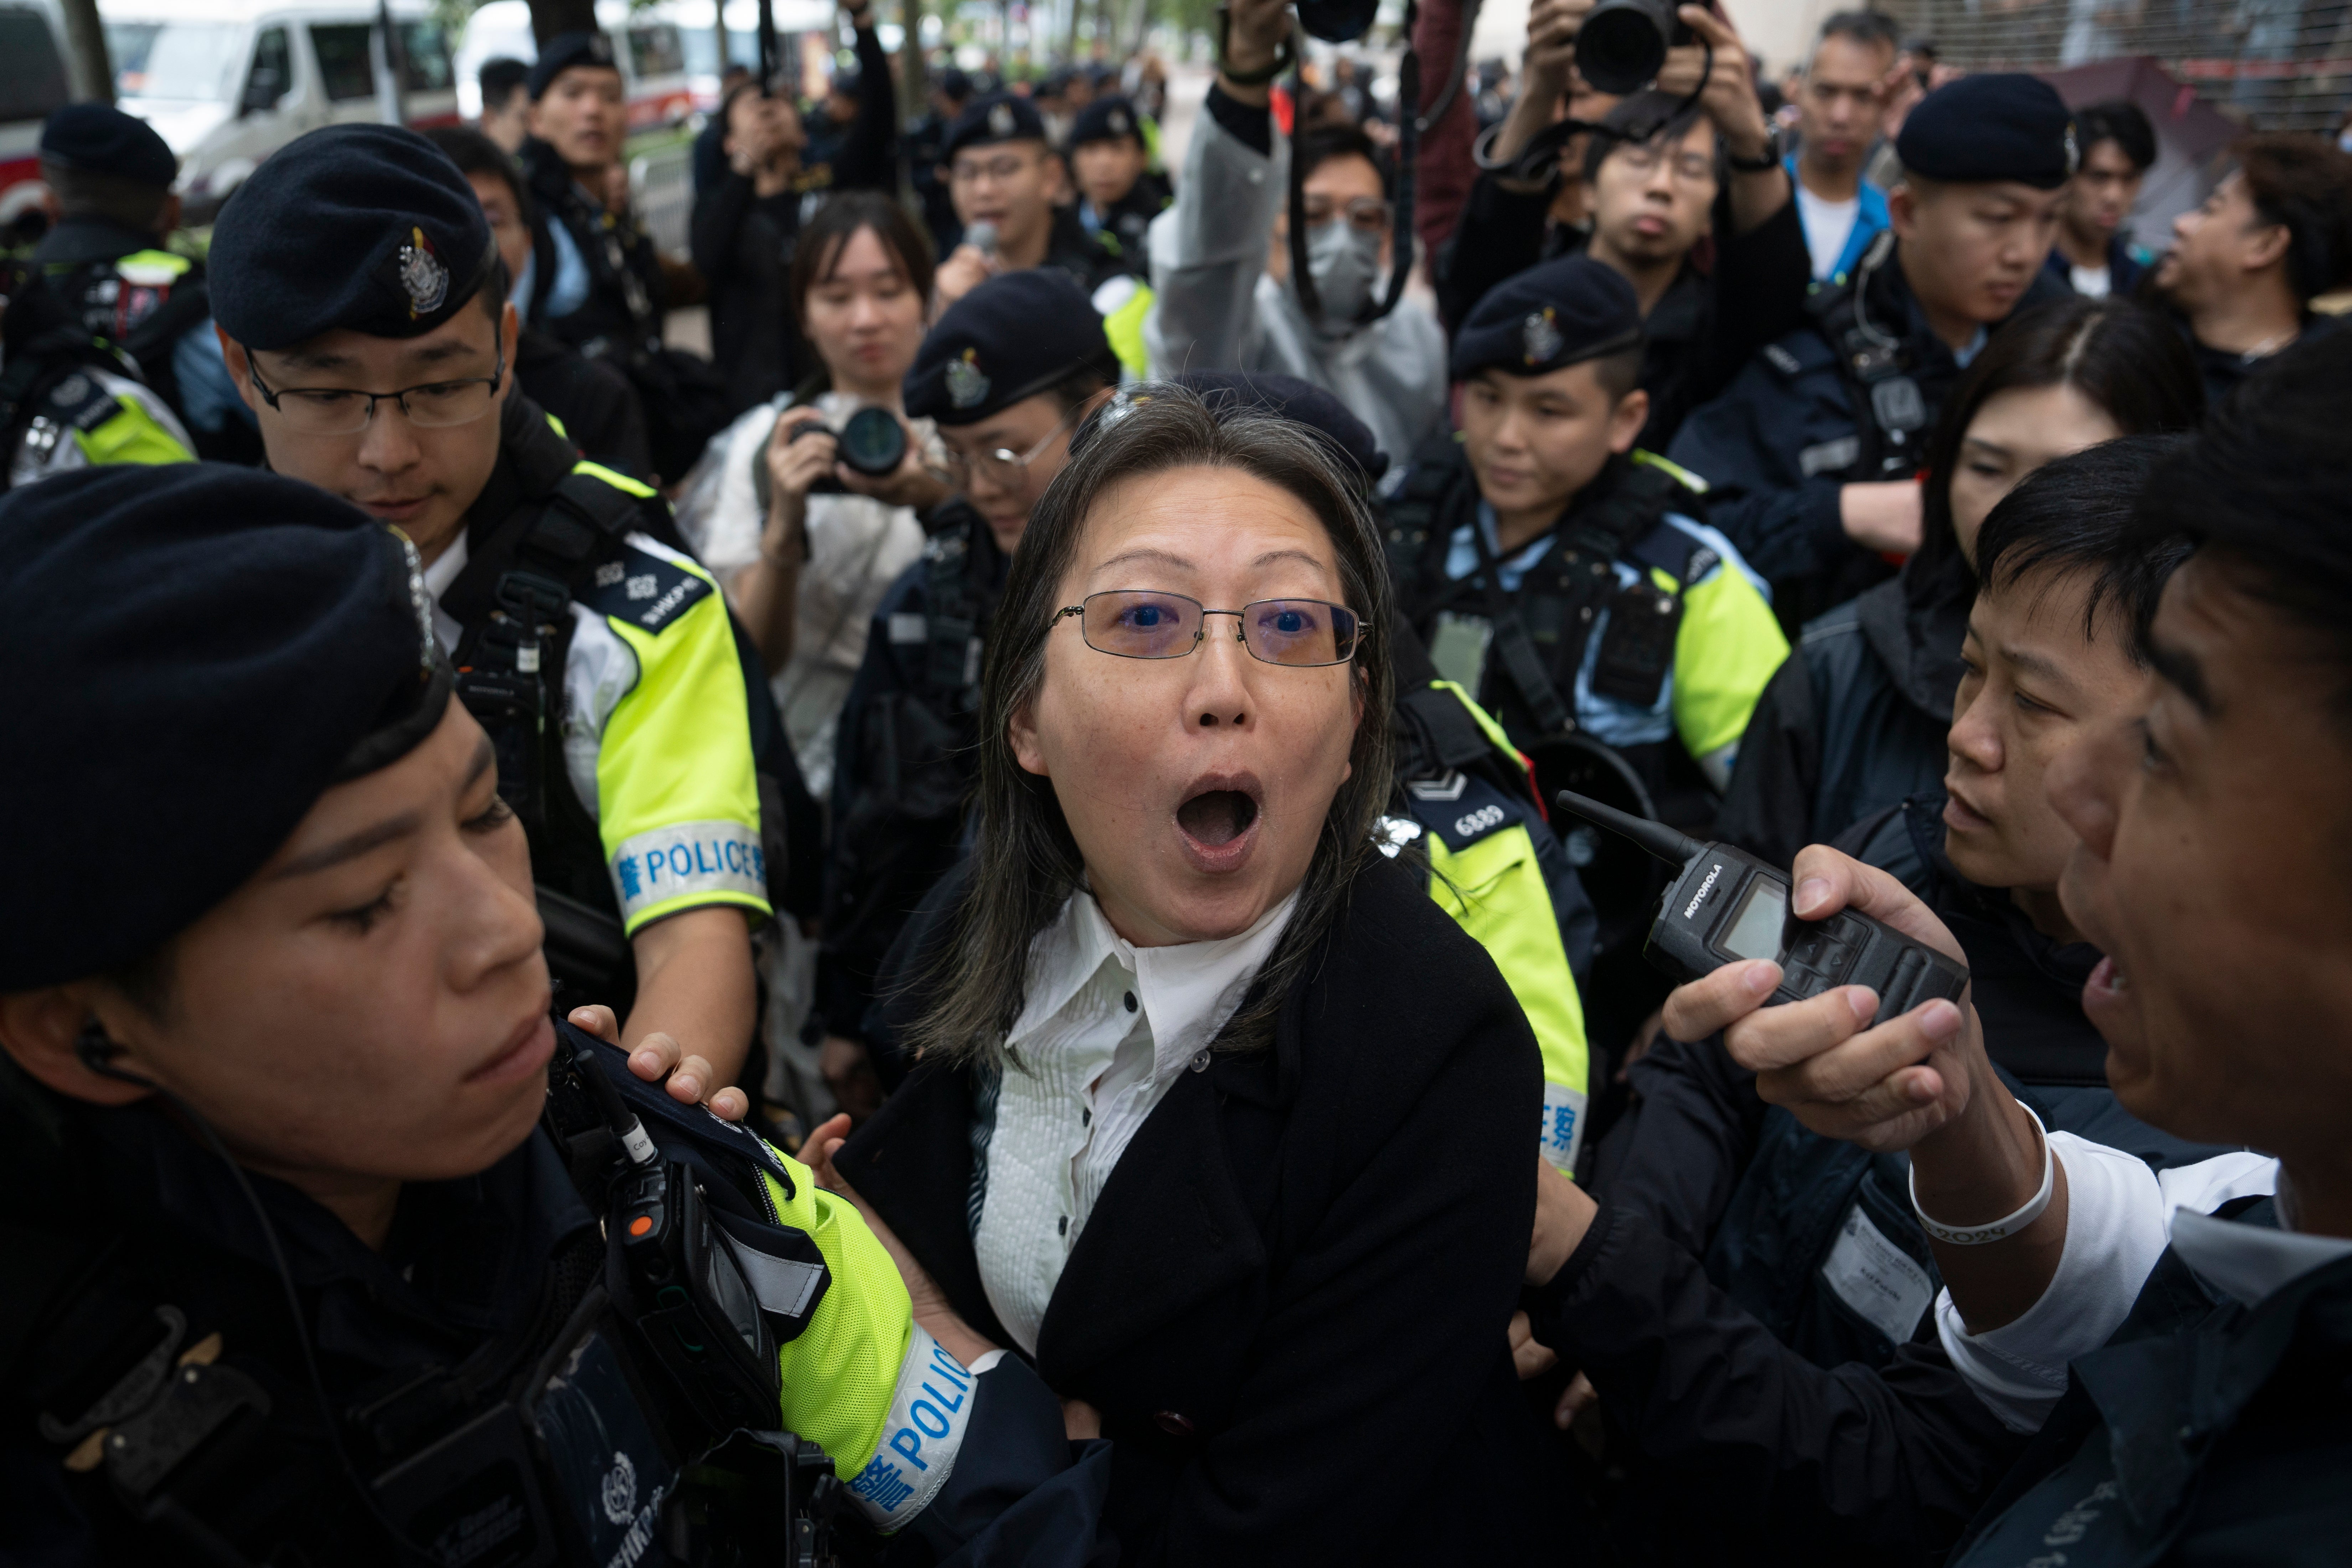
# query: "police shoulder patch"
644,590
1461,817
1782,360
82,400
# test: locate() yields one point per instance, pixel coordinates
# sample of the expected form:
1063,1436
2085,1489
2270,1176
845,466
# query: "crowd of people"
626,956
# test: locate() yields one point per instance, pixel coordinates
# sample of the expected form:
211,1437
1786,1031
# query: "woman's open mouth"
1218,822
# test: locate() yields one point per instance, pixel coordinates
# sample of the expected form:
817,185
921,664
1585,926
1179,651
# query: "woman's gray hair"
1026,864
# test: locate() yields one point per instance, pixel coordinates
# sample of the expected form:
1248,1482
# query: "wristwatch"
1770,160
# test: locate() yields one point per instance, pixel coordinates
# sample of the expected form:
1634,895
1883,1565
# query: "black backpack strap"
1440,735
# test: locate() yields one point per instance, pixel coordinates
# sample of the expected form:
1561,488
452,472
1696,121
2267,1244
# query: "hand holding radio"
1843,1062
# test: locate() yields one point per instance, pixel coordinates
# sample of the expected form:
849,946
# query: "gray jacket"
1218,309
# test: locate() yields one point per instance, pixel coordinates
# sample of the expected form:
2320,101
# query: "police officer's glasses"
1133,622
1003,467
340,411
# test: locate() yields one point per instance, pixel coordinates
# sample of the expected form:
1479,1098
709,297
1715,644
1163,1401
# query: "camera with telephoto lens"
872,442
1622,44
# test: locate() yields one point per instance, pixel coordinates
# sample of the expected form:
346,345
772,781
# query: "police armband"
930,1410
689,860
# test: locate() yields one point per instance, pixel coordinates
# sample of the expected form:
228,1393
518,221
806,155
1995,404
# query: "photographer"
316,1271
747,224
1221,257
1661,179
2178,1340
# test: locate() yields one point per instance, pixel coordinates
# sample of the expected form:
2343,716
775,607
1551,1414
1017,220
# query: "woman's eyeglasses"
1133,622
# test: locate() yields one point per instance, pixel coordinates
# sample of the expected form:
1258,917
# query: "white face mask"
1346,265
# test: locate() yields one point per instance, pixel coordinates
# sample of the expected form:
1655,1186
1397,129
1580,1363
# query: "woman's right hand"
930,1303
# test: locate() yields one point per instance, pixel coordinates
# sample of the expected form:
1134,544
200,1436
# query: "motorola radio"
1724,906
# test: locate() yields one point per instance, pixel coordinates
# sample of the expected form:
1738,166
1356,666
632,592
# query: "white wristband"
2007,1225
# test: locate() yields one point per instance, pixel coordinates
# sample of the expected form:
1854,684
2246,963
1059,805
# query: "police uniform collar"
82,239
532,460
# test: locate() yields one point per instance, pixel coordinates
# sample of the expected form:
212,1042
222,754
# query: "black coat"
1289,1303
2202,1432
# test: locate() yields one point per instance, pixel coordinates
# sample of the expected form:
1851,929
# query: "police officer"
1120,193
94,322
1004,173
1814,449
1009,373
1560,574
316,1272
363,306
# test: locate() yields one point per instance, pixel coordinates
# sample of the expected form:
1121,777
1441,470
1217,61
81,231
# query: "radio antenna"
1654,836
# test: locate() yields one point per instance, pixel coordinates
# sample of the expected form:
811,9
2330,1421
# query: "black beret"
565,51
849,84
999,117
369,227
1011,338
100,139
200,651
1548,318
1981,129
1105,119
954,83
1303,403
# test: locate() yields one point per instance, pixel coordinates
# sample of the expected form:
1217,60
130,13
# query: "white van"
647,47
229,82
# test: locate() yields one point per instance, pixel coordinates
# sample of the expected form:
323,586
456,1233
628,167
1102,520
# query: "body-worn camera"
1622,44
1724,906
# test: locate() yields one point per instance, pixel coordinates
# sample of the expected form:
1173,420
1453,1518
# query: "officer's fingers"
694,1079
598,1020
1715,1002
730,1105
1827,881
1796,1032
653,1057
